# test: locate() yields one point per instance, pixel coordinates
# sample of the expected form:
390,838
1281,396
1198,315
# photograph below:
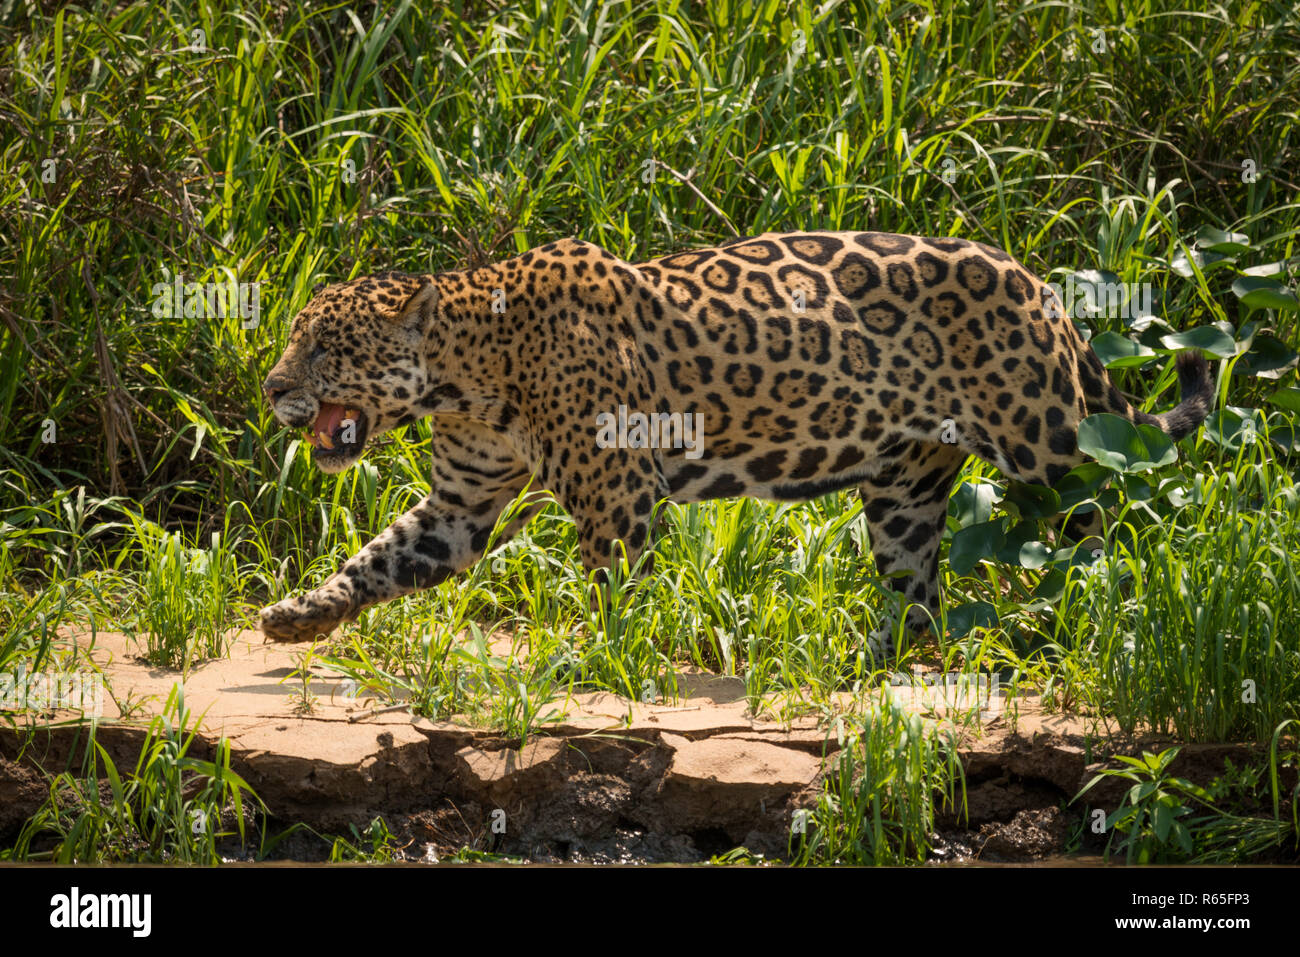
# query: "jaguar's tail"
1195,385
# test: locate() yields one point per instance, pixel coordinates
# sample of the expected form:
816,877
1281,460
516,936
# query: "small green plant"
472,855
302,699
169,808
1164,818
1154,814
738,857
132,705
29,625
879,800
374,845
518,695
185,594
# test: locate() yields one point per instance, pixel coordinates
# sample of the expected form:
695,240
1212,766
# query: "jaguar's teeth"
325,440
351,414
311,438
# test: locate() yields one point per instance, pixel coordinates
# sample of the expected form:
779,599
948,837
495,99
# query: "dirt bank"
614,780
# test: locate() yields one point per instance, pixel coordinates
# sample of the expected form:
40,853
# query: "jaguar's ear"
418,312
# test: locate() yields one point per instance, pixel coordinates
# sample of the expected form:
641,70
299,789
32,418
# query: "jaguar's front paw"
881,645
303,618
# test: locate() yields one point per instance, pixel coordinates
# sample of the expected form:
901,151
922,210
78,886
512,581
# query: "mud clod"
1030,835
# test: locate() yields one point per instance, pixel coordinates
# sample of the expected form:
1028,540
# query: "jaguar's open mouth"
339,433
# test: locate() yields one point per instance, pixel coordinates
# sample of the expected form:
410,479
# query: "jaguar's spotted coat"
819,361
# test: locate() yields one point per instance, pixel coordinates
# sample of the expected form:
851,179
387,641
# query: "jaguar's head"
356,364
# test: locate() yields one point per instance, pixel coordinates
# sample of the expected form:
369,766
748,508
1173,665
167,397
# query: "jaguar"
806,363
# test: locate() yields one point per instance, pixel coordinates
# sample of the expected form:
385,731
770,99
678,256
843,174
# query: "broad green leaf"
1143,323
1209,339
1034,555
1082,483
972,502
1118,444
1164,819
1149,330
1183,836
1031,501
973,614
1267,358
973,544
1137,487
1245,335
1234,427
1265,294
1203,260
1286,438
1287,397
1093,277
1093,292
1052,586
1218,241
1012,550
1271,270
1120,352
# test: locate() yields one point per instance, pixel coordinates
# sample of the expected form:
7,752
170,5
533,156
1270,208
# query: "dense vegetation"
145,486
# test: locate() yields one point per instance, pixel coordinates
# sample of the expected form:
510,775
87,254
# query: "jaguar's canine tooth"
325,440
311,437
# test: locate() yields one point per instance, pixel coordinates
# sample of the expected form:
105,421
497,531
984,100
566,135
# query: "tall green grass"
170,808
1188,627
892,774
474,134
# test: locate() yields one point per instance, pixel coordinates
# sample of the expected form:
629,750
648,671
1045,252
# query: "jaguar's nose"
275,386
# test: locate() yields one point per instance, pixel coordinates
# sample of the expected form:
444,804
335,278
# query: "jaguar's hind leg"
906,506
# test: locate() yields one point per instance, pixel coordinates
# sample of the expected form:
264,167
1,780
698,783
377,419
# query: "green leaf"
1137,487
973,614
973,544
1120,352
1234,427
1088,292
1271,270
1267,358
1218,241
1245,335
1164,819
1082,483
1209,339
972,502
199,433
1265,294
1286,438
1018,546
1051,587
1034,555
1118,444
1149,330
1203,260
1287,397
1183,836
1031,501
1095,277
